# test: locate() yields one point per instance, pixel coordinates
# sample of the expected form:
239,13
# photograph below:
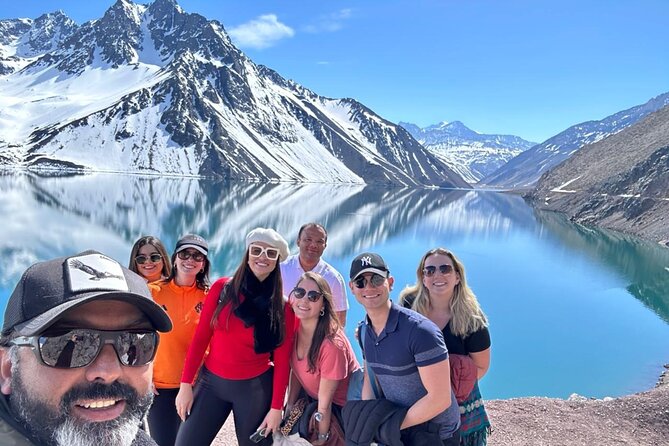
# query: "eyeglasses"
375,281
257,251
429,271
196,256
154,258
312,295
79,347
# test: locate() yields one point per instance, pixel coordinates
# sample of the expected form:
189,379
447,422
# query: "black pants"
454,440
164,420
214,399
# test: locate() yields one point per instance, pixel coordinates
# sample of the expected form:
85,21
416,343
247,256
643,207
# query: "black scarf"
256,310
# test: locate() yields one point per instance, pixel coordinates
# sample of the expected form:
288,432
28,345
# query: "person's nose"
106,367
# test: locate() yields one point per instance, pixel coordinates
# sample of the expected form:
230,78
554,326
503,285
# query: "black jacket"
379,420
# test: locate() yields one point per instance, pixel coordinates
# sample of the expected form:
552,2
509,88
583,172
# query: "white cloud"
259,33
329,23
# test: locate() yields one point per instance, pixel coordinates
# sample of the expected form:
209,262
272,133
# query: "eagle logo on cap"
94,273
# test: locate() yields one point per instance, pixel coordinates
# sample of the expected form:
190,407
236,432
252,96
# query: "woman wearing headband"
441,294
181,295
249,330
148,258
323,359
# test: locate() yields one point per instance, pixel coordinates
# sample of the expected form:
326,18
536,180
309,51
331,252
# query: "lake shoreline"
639,418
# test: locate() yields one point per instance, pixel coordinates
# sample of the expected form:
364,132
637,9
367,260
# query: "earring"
322,313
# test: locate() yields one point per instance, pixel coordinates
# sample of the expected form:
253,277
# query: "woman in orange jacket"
182,296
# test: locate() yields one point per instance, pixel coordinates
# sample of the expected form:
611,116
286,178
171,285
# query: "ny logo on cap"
366,261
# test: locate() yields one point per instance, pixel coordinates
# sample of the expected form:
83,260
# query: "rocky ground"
641,419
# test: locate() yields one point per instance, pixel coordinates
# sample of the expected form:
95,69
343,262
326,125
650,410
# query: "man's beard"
61,428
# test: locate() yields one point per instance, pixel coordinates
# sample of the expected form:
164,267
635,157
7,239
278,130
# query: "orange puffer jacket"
183,305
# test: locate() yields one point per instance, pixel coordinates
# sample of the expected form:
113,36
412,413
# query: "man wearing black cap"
78,339
407,353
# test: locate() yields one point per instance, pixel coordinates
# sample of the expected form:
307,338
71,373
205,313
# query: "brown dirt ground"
640,419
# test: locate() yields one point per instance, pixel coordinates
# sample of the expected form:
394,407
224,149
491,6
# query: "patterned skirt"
474,422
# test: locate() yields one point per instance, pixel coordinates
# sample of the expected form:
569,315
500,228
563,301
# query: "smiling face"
305,309
369,296
440,284
261,266
149,270
187,269
311,242
102,403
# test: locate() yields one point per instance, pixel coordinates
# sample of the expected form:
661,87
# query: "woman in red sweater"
249,330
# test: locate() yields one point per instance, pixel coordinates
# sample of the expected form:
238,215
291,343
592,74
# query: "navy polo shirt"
408,341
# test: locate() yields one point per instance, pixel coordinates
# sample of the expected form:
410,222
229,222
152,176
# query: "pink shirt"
336,361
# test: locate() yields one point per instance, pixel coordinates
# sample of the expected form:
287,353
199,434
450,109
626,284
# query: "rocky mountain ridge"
620,182
523,171
152,89
471,154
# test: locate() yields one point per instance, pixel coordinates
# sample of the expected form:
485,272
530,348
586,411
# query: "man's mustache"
98,391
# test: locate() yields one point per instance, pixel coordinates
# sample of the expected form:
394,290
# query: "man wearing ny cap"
78,340
407,353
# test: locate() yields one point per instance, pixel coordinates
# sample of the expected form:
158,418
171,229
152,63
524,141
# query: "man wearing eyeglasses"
312,239
407,354
78,340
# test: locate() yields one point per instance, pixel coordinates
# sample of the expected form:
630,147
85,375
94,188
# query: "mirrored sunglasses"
375,281
257,251
196,256
153,258
79,347
429,271
312,295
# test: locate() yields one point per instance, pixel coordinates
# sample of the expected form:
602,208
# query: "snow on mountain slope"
525,170
472,155
153,89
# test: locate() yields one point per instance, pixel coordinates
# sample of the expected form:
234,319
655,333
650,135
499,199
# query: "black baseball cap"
368,262
48,289
192,241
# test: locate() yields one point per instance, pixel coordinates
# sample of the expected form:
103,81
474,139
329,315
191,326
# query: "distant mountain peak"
471,154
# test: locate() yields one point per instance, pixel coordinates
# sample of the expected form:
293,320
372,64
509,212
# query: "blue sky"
529,68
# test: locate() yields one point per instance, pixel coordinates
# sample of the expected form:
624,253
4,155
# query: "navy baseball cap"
368,262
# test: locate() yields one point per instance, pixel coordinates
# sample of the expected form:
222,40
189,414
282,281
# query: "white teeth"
98,404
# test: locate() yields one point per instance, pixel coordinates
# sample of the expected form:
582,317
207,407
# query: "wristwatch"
318,416
324,436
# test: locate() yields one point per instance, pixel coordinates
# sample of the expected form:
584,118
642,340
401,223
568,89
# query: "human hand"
184,400
271,422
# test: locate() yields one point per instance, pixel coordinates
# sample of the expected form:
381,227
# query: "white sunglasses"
257,251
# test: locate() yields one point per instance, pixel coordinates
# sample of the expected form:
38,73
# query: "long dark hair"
202,277
231,291
156,243
327,325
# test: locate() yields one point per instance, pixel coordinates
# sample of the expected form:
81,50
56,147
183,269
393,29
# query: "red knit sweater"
231,354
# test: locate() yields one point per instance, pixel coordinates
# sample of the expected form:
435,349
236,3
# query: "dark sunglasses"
312,295
443,269
79,347
196,256
375,281
154,258
257,250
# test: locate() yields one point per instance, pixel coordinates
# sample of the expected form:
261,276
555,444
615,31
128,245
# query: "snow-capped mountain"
524,170
627,191
472,155
153,89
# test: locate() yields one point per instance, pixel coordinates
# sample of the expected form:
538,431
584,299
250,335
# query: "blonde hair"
466,313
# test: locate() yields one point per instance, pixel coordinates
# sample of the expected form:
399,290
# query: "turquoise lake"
572,309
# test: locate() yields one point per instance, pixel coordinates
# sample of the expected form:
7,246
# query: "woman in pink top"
323,359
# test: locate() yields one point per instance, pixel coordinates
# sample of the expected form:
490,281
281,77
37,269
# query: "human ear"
5,371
